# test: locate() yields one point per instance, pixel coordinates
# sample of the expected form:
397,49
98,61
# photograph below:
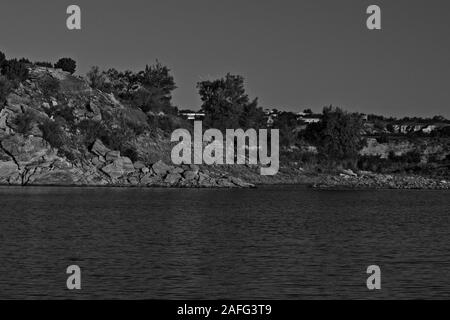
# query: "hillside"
57,130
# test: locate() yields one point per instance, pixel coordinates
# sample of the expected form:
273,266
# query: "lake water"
277,242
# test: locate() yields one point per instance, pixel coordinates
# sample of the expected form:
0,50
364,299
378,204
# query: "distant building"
307,117
271,115
192,115
428,129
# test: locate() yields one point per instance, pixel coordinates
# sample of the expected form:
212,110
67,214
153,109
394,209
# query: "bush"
2,58
66,64
96,78
15,70
49,85
5,88
61,113
44,64
131,153
54,134
90,131
337,136
24,122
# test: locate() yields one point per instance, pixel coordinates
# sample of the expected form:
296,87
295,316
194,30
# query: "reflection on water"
280,242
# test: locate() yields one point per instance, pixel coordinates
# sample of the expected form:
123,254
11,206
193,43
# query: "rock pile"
369,180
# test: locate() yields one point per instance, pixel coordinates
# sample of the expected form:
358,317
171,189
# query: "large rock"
4,115
119,168
173,178
99,148
56,177
176,170
225,183
112,156
139,165
195,168
8,168
190,175
28,150
206,181
160,168
240,183
150,180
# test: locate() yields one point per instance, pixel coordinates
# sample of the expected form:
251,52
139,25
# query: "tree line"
224,101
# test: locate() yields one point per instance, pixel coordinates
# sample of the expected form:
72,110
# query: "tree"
156,91
338,135
286,122
49,85
5,88
66,64
2,58
227,105
96,78
24,122
44,64
15,70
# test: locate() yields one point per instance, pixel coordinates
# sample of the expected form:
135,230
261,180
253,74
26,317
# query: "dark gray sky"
294,54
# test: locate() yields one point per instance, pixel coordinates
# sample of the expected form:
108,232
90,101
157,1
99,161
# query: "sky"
293,54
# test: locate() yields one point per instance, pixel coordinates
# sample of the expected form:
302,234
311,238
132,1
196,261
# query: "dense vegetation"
227,105
66,64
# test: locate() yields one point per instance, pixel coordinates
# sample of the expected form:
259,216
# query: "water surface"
277,242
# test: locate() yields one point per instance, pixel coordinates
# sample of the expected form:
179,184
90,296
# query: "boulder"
225,183
349,172
28,150
99,148
56,177
190,175
240,183
195,168
138,165
112,156
119,168
160,168
4,114
205,181
177,170
172,178
151,180
8,168
133,180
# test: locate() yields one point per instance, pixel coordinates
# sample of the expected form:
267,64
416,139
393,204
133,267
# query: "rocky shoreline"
28,161
28,158
368,180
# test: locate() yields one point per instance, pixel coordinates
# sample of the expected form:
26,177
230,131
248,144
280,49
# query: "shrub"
337,136
24,122
5,88
49,85
66,64
131,153
62,113
44,64
2,58
15,70
54,134
91,130
96,78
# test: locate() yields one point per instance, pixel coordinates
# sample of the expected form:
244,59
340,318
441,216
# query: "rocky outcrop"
31,161
28,159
